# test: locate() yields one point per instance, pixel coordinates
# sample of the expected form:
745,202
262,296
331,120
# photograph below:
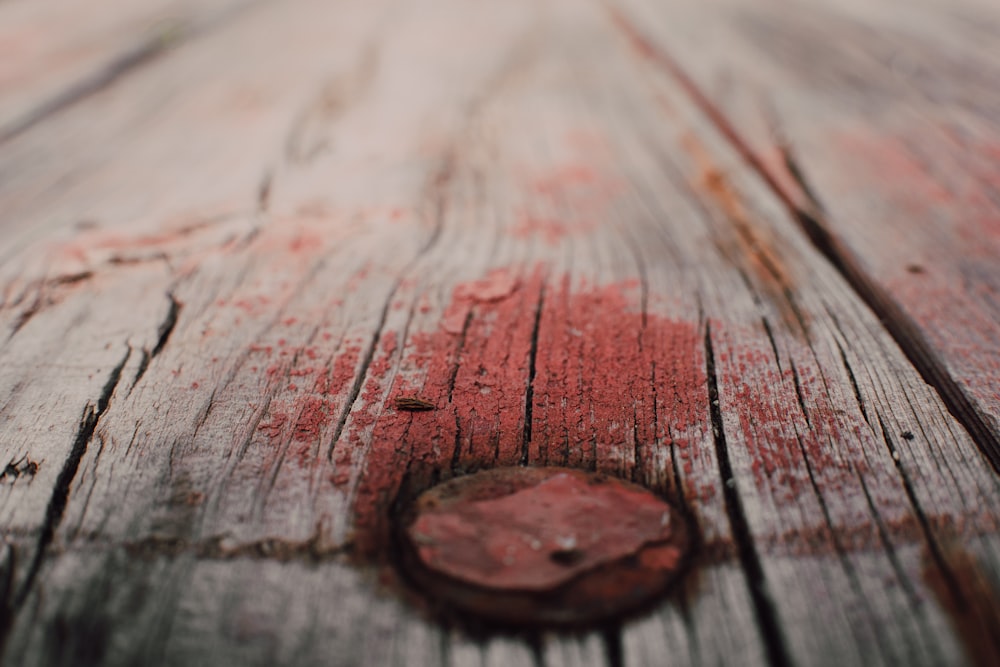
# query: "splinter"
413,404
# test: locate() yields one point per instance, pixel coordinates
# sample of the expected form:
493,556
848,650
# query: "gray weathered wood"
508,210
55,53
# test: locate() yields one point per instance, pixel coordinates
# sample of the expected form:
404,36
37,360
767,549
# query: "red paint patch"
609,385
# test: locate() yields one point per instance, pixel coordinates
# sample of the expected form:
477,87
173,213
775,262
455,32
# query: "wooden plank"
54,53
286,138
545,239
931,470
880,129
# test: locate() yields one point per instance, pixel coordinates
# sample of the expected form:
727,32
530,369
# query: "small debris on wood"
907,435
22,466
413,404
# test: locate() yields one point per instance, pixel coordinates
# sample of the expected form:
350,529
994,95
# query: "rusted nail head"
542,545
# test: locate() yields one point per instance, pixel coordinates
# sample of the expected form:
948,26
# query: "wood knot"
542,546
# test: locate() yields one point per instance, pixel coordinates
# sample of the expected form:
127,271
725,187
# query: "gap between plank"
812,220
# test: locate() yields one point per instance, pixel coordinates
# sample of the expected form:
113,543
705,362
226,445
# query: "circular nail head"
530,546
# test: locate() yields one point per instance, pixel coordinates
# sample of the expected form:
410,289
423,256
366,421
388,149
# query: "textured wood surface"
220,270
52,54
880,128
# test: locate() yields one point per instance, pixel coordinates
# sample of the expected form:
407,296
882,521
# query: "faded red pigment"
610,386
787,450
580,194
310,413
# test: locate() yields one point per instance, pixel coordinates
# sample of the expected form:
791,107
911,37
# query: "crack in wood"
854,383
437,189
753,571
798,392
948,577
92,414
264,192
529,393
167,326
614,651
366,362
306,139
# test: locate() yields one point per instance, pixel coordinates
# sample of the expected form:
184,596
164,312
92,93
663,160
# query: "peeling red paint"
788,450
605,377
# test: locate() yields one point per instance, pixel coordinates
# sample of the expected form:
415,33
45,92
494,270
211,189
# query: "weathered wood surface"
52,53
219,272
881,129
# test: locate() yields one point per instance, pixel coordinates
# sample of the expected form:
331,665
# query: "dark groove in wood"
359,379
529,394
264,192
534,642
167,327
770,337
753,571
614,651
854,384
60,494
934,550
143,367
798,393
8,561
459,348
903,330
142,54
885,538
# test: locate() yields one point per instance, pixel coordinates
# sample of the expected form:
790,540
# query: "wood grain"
879,128
55,53
547,239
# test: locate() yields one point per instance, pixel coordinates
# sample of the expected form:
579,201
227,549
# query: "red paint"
315,412
786,451
891,165
603,378
580,193
534,546
551,230
541,536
